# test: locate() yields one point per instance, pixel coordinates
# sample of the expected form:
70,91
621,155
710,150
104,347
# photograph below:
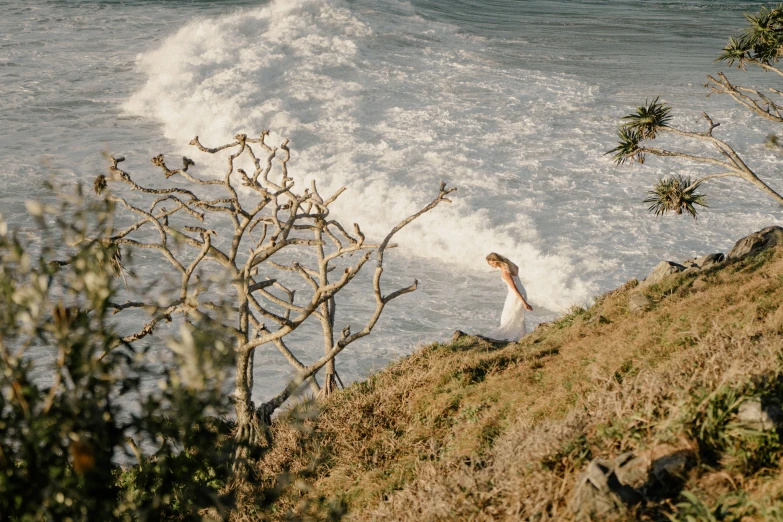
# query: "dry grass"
475,430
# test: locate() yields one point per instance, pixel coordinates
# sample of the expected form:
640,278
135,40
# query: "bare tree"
268,219
760,45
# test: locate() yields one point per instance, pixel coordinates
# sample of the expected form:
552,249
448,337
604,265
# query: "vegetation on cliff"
662,401
480,430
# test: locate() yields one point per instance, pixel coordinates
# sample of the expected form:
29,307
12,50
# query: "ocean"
513,102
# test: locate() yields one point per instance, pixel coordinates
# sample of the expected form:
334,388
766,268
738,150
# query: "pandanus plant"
678,193
759,45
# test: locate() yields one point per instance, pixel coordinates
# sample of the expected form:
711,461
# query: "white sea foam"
514,102
388,127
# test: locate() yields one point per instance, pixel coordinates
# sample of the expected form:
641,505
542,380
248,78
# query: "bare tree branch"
285,215
653,119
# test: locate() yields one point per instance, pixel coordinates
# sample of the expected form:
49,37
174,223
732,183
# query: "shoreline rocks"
755,243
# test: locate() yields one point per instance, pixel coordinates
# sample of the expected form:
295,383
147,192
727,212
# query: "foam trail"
374,121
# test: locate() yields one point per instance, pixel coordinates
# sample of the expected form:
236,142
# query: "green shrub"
69,426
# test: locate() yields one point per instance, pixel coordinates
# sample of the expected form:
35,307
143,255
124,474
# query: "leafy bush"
76,405
711,422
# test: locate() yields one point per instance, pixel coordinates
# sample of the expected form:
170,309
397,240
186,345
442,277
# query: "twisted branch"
185,235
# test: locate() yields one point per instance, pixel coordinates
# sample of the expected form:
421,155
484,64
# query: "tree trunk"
327,310
330,381
251,432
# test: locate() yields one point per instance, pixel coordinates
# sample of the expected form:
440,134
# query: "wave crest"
387,114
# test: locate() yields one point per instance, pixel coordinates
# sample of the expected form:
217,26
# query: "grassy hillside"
478,430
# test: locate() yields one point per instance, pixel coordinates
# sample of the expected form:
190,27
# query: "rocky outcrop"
607,487
661,271
666,268
755,243
769,237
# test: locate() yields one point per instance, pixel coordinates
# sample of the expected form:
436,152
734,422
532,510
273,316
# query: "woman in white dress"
512,321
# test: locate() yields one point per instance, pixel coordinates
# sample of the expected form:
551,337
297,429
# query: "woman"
512,321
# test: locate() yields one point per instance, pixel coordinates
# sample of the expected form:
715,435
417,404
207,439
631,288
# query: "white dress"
512,321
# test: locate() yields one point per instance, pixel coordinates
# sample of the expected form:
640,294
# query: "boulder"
709,260
769,237
704,261
592,497
662,270
470,340
753,414
604,489
638,302
631,470
607,487
671,467
458,334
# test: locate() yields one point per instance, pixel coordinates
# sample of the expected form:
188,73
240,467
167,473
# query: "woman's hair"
492,256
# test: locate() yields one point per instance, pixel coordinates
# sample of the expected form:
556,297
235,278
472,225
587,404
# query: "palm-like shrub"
645,123
675,194
649,119
627,150
760,44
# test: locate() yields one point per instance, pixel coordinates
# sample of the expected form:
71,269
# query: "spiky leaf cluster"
675,194
638,126
649,119
761,42
628,146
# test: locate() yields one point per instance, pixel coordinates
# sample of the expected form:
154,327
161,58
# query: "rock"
592,497
693,265
709,260
769,237
700,263
631,470
671,467
661,270
638,302
606,487
754,415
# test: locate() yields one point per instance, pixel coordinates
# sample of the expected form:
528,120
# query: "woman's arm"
506,276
